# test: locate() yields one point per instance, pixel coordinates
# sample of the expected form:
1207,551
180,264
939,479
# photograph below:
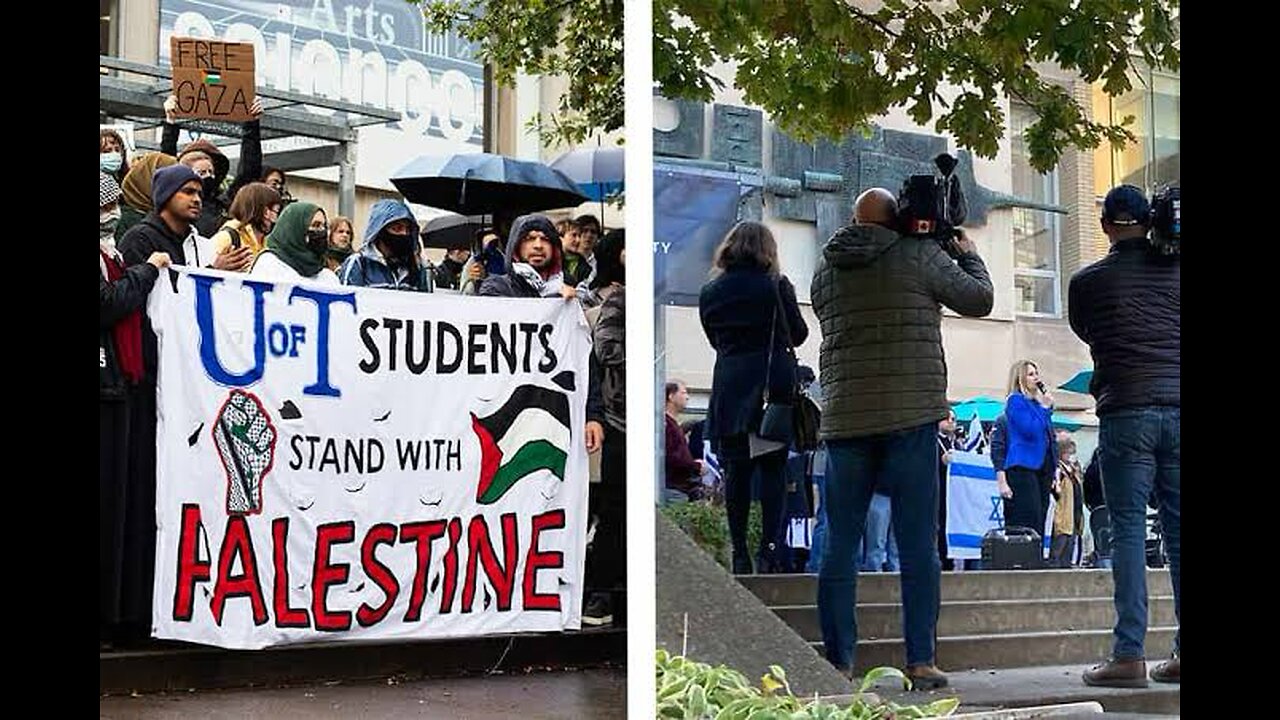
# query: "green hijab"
288,239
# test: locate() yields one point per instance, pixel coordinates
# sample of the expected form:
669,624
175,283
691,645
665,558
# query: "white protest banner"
973,504
340,463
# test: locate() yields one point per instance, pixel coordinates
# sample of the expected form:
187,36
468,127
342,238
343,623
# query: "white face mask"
107,221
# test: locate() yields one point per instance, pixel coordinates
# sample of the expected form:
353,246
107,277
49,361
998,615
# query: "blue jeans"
881,547
1140,450
820,514
904,465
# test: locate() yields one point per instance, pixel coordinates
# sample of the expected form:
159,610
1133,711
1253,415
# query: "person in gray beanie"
177,200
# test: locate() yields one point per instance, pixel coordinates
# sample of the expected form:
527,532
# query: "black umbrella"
485,184
450,232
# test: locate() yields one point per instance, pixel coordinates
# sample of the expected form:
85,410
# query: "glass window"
1155,102
1035,232
1036,295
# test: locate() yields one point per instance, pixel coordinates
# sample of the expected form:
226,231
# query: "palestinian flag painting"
530,432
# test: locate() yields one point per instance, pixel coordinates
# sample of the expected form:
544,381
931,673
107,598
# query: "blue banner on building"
692,212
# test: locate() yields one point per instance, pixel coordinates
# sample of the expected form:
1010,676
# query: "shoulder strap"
779,311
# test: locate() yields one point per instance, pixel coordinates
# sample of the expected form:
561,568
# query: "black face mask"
400,247
209,187
318,241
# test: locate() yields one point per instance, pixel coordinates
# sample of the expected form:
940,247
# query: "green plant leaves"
691,690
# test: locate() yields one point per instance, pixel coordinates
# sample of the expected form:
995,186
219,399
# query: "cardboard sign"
212,79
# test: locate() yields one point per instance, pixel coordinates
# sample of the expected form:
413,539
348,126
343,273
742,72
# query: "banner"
973,504
351,464
692,212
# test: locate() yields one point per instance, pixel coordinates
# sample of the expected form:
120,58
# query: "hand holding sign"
212,79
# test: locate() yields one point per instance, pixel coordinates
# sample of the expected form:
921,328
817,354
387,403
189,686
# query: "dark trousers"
904,465
139,557
607,501
113,479
1141,450
737,497
1029,506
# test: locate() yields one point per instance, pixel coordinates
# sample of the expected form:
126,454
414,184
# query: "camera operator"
1127,308
878,295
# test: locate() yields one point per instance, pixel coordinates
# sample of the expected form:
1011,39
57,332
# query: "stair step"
983,617
802,589
182,666
1012,650
1041,686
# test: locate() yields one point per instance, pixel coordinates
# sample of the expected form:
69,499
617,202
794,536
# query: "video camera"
933,206
1166,221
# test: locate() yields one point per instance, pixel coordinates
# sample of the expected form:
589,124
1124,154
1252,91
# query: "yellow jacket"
248,237
1064,519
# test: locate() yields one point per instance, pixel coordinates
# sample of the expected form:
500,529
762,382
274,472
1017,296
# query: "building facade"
1030,251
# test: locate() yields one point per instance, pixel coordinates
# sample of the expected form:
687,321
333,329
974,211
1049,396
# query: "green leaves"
690,690
579,40
826,67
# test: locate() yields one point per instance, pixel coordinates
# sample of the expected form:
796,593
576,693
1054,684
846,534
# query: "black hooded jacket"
511,284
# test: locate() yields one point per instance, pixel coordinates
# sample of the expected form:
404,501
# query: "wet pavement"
597,694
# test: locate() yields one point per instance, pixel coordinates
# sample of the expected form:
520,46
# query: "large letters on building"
350,463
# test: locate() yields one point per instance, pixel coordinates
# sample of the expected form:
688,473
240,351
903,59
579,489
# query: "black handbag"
795,423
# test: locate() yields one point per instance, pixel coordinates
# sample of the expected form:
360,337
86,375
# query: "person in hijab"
135,190
122,295
296,247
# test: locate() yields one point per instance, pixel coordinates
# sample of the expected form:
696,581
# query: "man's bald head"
876,206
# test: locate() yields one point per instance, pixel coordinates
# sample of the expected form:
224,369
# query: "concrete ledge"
204,668
1036,687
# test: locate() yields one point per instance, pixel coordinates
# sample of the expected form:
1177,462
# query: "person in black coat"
175,195
750,315
1127,308
122,295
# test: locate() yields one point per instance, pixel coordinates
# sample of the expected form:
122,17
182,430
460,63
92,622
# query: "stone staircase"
992,621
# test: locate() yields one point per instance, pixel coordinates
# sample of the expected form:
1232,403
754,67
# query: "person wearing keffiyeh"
122,294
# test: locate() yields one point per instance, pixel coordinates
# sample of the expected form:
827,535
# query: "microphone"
1040,386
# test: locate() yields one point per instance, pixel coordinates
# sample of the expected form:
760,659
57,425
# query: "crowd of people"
888,432
177,206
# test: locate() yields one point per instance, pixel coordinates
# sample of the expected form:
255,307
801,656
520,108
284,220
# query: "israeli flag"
974,439
973,504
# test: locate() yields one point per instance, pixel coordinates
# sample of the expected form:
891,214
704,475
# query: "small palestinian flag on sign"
212,77
530,432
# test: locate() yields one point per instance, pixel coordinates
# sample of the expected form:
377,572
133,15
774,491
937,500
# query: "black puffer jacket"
1127,308
878,298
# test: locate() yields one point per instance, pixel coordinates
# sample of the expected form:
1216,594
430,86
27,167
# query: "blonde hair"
1017,377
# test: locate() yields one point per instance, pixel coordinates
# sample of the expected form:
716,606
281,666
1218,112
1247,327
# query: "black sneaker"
599,611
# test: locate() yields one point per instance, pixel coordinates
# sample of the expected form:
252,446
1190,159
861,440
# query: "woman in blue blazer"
1028,449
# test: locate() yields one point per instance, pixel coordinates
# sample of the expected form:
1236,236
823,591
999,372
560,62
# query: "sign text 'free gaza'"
212,79
339,462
